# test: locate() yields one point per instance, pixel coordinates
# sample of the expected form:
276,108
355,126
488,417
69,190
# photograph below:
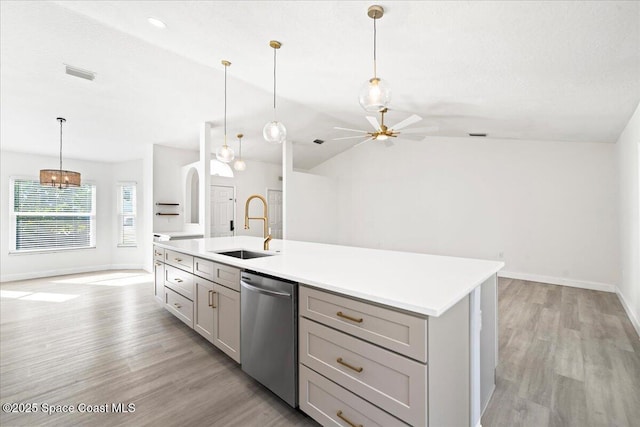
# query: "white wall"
105,255
254,180
168,185
627,151
549,207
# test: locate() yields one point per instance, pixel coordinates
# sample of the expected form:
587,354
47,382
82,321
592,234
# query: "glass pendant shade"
375,95
274,132
239,165
225,154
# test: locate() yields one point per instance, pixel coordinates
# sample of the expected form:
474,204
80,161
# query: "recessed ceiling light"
156,22
318,141
79,72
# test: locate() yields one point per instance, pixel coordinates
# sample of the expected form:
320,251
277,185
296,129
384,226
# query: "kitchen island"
442,311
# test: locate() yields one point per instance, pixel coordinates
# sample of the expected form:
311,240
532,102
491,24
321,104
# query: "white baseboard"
630,314
65,271
563,281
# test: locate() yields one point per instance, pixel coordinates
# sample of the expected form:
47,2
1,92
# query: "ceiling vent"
478,134
318,141
79,72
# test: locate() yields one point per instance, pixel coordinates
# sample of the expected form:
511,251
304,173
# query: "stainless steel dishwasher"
269,333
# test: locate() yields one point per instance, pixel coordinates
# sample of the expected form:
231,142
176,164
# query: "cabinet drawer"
203,268
179,306
158,254
226,275
182,261
178,280
323,400
400,332
392,382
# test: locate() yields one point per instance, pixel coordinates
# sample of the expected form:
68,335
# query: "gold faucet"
265,219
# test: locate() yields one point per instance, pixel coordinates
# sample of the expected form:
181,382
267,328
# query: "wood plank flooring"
112,343
567,357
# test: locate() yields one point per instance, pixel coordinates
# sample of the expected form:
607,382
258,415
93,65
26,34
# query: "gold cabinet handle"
212,295
353,319
158,264
343,363
177,305
347,420
178,280
210,299
178,259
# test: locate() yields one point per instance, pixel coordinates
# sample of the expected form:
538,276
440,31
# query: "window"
49,218
127,214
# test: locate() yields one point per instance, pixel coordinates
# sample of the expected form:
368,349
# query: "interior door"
274,201
223,206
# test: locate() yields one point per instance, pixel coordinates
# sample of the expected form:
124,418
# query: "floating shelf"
161,213
167,204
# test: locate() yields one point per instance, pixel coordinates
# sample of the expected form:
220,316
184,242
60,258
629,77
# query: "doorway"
223,211
274,201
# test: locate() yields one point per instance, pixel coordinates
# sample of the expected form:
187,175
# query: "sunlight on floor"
109,279
37,296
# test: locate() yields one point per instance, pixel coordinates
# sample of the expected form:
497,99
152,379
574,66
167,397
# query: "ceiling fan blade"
347,137
374,122
362,142
352,130
407,122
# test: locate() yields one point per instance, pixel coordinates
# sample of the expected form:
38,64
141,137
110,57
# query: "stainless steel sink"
242,254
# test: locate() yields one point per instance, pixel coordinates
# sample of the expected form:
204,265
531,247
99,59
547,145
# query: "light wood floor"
567,357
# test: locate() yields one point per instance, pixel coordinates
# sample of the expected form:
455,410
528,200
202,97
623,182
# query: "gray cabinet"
158,280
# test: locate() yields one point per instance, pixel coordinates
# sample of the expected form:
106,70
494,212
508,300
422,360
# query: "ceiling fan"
383,132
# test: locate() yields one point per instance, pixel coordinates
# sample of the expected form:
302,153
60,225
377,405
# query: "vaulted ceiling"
564,71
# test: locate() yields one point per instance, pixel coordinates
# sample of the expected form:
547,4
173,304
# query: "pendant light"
59,177
239,164
225,153
375,94
274,131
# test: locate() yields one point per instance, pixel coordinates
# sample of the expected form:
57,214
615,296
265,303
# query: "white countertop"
168,235
419,283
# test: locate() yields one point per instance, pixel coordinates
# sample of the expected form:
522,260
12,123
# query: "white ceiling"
565,71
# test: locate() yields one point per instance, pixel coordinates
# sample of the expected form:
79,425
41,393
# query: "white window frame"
121,214
13,216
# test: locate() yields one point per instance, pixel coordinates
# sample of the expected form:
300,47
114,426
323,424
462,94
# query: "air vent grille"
318,141
79,72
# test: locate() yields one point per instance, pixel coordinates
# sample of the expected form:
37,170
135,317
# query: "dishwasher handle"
265,291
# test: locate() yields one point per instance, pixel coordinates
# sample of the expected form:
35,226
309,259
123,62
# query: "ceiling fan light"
225,154
381,137
274,132
375,95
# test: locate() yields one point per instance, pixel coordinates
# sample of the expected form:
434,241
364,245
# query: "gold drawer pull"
353,319
347,420
158,264
211,293
178,259
178,280
343,363
177,305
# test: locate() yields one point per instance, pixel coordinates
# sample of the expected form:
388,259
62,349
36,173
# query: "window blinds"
53,218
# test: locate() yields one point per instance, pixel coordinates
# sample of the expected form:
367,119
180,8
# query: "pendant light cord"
60,148
374,48
225,105
274,81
